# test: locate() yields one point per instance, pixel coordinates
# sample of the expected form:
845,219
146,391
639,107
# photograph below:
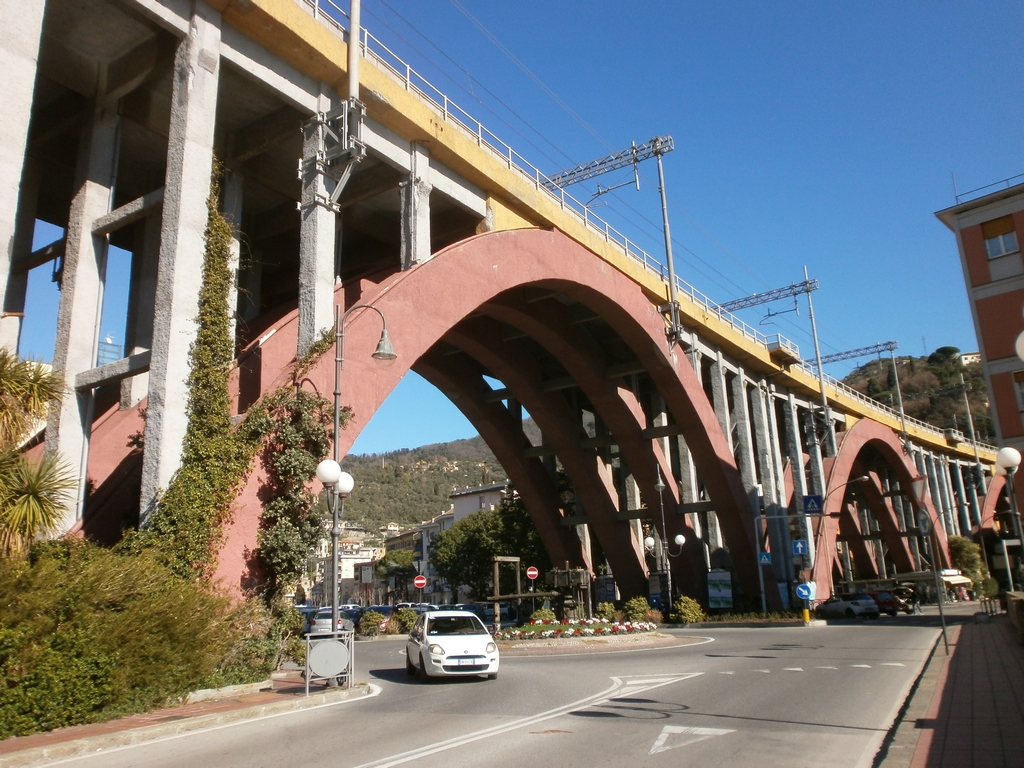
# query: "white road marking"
727,673
861,666
689,735
632,686
826,667
792,669
892,664
766,671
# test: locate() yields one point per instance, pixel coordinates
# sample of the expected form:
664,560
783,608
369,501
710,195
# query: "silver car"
850,606
450,644
320,622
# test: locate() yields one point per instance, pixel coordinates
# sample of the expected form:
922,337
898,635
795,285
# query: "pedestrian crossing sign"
765,558
813,505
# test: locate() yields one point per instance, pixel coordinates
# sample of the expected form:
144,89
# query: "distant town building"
466,501
988,231
970,358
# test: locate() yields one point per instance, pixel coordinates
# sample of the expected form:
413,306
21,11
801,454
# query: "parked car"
889,603
450,644
850,606
321,621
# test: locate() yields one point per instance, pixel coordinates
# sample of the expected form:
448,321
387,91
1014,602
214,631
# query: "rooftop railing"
335,18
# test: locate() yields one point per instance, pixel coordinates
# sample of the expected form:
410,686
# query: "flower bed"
544,629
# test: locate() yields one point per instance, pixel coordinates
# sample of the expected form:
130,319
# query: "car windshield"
455,625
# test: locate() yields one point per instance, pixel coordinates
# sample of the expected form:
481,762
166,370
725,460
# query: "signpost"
532,573
805,592
420,582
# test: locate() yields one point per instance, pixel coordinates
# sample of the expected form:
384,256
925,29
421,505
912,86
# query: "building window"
1000,238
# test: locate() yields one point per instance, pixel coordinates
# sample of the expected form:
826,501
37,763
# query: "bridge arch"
525,307
867,449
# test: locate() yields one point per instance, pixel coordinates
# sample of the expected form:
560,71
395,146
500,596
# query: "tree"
965,555
464,554
33,495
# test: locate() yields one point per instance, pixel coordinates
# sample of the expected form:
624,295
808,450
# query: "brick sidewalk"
968,710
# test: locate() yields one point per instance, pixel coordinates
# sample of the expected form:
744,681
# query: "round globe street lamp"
665,551
1007,460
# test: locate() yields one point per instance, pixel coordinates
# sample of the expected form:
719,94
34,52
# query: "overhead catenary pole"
830,437
673,305
979,474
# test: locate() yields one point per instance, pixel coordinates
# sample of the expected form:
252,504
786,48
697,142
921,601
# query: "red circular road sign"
532,573
420,582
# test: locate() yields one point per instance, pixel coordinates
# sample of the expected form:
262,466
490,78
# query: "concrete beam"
113,372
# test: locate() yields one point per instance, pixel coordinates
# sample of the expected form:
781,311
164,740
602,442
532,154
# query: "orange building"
988,230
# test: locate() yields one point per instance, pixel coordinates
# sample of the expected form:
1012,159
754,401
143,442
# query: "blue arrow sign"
799,546
813,505
805,591
765,558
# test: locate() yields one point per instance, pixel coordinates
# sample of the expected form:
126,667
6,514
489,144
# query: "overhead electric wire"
493,39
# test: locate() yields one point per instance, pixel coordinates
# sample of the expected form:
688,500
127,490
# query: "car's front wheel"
421,673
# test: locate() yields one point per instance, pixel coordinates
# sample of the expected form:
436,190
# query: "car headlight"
436,649
491,648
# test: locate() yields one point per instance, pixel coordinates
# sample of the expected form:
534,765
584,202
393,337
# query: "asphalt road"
740,697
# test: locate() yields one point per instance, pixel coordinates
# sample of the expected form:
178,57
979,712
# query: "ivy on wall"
288,428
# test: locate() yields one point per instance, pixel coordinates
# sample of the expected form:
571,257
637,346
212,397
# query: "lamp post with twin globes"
665,551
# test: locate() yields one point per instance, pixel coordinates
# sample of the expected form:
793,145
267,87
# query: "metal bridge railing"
335,18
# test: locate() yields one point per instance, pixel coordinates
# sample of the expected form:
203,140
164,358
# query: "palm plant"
32,494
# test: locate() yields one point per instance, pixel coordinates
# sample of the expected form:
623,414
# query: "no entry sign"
420,582
532,573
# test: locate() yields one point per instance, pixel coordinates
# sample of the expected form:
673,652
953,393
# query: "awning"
956,580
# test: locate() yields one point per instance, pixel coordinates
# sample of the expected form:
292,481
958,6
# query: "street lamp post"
328,471
665,551
918,485
1007,460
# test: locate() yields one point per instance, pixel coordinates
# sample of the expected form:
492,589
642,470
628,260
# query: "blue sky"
806,133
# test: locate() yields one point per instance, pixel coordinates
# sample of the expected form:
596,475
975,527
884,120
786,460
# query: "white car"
450,644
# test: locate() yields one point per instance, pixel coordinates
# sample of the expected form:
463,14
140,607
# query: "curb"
900,744
102,742
206,694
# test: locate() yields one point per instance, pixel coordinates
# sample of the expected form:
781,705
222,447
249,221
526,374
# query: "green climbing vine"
188,521
287,427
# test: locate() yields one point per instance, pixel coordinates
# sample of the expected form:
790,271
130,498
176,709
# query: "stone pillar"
231,207
81,299
416,209
19,54
182,245
962,503
17,282
319,267
770,451
141,305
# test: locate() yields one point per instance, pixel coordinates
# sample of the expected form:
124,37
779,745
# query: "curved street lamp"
328,471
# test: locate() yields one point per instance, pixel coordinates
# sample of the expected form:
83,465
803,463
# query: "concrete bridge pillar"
962,503
415,248
19,54
766,438
972,493
141,301
794,451
187,188
231,207
12,319
319,259
81,299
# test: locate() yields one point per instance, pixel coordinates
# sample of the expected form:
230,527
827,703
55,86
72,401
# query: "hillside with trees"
931,389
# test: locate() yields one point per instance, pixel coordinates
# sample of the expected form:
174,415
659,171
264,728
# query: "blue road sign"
805,591
924,522
799,546
765,558
813,505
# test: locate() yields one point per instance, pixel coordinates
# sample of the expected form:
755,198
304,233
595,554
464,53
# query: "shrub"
686,610
606,611
636,609
654,616
404,618
89,634
543,614
369,625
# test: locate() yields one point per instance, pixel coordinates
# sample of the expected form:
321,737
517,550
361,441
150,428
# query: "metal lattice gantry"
635,154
